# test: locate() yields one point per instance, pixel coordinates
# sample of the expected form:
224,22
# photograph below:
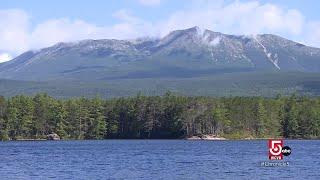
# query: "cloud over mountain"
17,35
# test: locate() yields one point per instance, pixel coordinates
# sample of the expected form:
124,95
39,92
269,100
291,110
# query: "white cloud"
57,30
150,2
124,15
239,18
16,34
14,30
5,57
312,34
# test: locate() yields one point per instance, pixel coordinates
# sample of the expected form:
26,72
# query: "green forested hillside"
165,116
228,84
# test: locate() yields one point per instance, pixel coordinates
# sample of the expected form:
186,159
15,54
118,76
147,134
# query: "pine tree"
12,119
290,122
73,125
97,120
220,120
112,119
3,123
40,120
261,119
84,118
57,119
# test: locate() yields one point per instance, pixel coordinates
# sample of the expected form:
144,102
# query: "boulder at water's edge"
53,136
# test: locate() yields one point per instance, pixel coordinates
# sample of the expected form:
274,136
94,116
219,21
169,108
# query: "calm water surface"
154,159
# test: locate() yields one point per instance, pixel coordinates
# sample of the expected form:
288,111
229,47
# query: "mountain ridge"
181,50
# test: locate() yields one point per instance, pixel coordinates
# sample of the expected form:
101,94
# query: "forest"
159,117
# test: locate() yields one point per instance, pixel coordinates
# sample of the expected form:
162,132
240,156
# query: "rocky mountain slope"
182,53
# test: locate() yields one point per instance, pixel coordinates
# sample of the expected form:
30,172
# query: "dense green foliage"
165,116
228,84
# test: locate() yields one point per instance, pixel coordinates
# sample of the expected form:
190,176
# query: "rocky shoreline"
208,137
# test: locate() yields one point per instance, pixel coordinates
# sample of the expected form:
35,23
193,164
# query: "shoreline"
186,139
206,137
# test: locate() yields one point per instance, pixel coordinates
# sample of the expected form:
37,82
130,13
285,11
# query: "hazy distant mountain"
182,53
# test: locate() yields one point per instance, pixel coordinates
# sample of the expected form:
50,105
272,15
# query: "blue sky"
34,24
100,11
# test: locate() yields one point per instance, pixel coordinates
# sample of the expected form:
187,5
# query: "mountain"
229,84
186,62
182,53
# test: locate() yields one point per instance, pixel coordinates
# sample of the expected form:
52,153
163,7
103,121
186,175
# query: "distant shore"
28,140
191,138
183,139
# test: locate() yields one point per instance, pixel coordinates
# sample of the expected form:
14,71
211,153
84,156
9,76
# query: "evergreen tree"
12,121
97,123
40,125
57,119
290,122
73,124
220,120
261,119
3,123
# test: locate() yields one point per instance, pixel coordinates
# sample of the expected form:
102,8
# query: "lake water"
154,159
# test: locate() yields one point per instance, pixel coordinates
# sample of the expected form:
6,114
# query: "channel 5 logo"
277,150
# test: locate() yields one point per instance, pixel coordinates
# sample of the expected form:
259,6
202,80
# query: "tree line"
168,116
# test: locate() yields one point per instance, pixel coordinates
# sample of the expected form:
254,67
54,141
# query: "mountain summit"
189,52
